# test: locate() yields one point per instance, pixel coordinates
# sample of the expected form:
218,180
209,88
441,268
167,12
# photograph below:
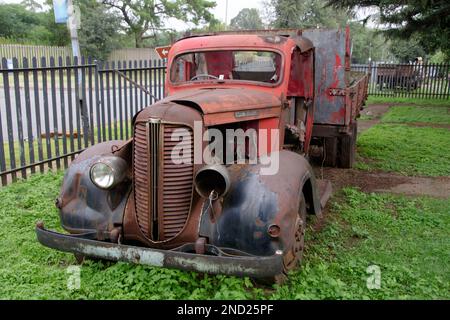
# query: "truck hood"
217,100
225,105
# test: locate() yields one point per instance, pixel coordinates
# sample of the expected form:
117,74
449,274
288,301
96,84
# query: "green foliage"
21,25
31,5
406,51
407,238
214,25
247,19
144,18
439,57
99,29
305,14
367,43
406,149
408,114
427,21
16,21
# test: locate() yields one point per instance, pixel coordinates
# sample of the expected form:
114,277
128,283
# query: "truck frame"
154,200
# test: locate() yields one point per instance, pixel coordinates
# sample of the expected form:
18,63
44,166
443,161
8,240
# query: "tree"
16,21
99,29
305,14
247,19
144,18
214,25
21,25
31,5
426,21
368,44
54,34
406,51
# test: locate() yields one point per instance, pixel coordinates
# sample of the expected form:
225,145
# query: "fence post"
83,103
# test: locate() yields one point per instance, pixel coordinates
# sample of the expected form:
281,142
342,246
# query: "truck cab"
262,81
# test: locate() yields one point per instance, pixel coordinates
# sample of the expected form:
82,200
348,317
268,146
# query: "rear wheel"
293,255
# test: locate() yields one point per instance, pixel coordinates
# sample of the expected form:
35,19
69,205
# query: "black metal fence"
52,110
422,81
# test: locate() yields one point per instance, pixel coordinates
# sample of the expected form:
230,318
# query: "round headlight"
102,175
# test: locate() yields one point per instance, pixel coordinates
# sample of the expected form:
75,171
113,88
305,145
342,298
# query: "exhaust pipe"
211,178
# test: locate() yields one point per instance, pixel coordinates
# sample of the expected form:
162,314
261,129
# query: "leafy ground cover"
407,239
405,149
417,114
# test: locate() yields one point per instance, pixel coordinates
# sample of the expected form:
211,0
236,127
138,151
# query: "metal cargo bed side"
339,96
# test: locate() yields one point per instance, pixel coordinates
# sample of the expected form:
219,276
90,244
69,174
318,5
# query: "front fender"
83,207
255,202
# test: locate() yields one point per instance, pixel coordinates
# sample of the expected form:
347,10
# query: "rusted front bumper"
251,266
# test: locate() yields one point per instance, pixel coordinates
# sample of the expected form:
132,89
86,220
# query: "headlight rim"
112,173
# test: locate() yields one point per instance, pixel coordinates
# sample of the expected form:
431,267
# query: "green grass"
407,114
405,149
409,101
407,238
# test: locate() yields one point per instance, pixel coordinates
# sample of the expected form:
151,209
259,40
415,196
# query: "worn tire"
347,148
293,256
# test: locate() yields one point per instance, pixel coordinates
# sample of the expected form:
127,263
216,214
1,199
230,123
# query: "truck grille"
163,189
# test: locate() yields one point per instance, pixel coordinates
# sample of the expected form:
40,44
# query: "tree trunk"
138,39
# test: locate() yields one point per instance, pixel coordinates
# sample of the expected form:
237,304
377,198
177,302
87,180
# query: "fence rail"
424,81
52,109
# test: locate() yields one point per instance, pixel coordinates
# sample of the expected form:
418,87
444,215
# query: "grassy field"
408,239
410,114
405,149
395,146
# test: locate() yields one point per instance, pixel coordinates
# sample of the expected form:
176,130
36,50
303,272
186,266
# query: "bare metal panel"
329,74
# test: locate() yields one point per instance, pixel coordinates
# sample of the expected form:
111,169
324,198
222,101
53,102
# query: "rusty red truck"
185,192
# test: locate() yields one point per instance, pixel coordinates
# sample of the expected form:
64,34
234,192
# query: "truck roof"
259,32
246,38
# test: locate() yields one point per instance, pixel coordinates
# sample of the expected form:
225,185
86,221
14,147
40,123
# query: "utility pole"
73,25
226,14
